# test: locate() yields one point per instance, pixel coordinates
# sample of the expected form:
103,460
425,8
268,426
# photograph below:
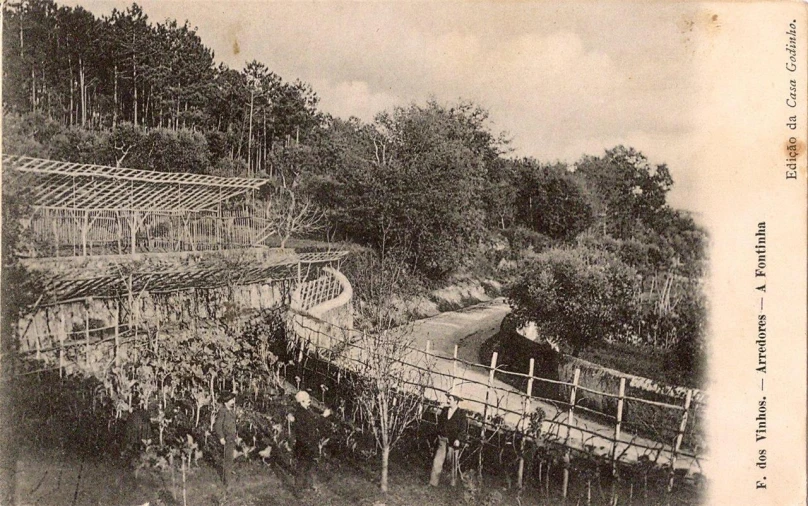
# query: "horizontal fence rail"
665,433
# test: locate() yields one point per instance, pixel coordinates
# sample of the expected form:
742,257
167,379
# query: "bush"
522,238
688,358
28,134
577,295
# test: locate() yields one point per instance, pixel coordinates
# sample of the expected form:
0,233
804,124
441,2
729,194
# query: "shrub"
578,295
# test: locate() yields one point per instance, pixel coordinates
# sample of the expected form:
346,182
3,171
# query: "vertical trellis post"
84,226
36,336
87,333
133,229
570,421
428,361
73,217
131,297
677,445
156,336
220,222
617,426
63,329
117,332
485,415
525,411
55,234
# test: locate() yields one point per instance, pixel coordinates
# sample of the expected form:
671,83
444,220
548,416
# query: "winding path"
469,328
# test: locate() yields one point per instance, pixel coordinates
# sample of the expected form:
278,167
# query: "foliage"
629,190
288,213
382,286
688,357
28,134
522,240
20,290
577,295
388,392
76,69
412,180
551,200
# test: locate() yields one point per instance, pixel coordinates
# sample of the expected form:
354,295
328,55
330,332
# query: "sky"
560,80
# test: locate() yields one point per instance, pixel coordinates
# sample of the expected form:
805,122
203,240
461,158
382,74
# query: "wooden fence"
509,418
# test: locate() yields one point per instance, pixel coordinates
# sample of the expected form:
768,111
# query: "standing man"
452,429
307,439
225,428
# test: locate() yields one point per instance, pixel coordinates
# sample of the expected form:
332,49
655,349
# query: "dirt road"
472,326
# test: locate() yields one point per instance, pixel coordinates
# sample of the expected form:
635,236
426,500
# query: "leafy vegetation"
577,295
593,247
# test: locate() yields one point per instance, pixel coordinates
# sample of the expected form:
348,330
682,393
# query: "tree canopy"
413,179
577,295
432,180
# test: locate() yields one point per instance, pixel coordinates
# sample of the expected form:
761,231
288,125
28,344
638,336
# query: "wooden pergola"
90,209
114,283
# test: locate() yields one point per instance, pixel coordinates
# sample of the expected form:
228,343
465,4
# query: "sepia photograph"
403,253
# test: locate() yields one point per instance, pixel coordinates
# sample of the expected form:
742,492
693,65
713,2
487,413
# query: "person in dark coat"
452,432
308,432
225,429
136,431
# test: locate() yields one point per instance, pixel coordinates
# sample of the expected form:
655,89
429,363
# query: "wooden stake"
617,425
62,343
84,227
485,416
525,411
117,332
677,445
87,334
570,421
36,333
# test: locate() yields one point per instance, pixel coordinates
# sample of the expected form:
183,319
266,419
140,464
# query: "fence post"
525,410
131,299
485,416
677,445
618,423
570,422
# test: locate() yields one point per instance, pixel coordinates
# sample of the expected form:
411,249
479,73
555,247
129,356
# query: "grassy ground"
54,479
639,361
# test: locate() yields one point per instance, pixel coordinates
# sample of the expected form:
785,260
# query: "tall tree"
387,389
629,189
414,178
551,200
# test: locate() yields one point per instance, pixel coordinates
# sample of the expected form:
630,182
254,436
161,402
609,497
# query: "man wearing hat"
225,429
452,428
307,439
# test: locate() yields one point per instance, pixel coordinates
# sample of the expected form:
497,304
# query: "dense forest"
593,248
